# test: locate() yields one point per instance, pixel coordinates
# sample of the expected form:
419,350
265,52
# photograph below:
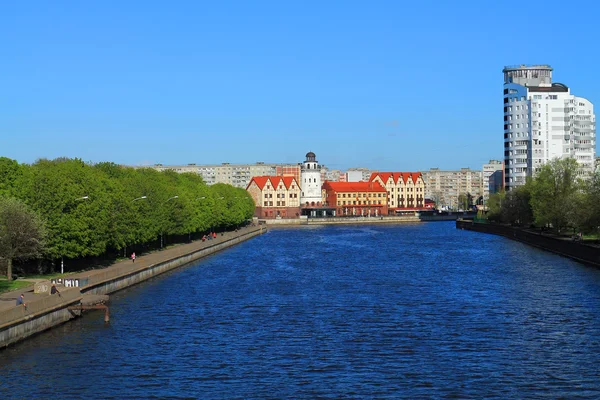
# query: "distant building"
358,175
543,121
288,170
368,199
275,196
444,187
237,175
405,190
492,173
335,175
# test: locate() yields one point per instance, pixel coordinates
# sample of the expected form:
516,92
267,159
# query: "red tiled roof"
261,181
354,186
414,176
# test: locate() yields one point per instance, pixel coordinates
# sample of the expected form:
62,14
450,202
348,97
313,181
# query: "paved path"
8,299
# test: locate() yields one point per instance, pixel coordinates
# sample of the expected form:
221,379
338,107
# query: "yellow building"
405,190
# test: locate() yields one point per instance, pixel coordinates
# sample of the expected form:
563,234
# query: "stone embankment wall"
19,322
363,220
48,311
115,279
578,251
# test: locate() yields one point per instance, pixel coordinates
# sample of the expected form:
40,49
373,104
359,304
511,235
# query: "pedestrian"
21,301
214,235
54,290
204,238
133,257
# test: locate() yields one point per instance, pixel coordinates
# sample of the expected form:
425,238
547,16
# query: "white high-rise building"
543,121
310,182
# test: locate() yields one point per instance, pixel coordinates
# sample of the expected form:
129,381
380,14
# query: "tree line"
92,210
557,198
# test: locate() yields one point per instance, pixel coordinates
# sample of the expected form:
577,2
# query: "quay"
566,247
387,219
88,290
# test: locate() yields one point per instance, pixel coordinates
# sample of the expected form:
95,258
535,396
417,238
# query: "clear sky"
387,85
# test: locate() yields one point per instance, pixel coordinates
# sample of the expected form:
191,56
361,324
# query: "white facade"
358,174
310,181
543,121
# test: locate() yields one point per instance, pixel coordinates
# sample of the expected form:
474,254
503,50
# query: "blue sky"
387,85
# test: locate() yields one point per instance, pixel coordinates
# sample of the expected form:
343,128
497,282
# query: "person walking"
133,257
21,301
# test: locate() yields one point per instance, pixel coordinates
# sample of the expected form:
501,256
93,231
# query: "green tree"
22,233
586,217
516,206
10,171
494,206
554,193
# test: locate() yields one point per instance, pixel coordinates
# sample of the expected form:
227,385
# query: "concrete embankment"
578,251
114,279
363,220
45,311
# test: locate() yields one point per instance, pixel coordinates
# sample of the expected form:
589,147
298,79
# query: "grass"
7,286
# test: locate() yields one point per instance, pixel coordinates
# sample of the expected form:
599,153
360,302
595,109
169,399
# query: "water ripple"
415,311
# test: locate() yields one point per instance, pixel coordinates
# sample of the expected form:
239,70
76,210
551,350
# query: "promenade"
8,299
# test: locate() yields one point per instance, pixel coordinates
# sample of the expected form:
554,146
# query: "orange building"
356,198
405,190
275,196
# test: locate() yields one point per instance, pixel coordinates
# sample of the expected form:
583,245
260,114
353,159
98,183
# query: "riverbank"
415,218
45,311
578,251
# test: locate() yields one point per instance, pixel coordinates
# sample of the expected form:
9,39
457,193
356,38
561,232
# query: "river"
382,311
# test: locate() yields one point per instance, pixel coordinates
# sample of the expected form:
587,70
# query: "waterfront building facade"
275,196
405,190
543,121
367,199
310,182
445,186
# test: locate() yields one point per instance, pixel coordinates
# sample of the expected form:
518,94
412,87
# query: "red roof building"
275,196
356,198
405,190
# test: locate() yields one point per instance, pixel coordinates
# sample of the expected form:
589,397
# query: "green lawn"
7,286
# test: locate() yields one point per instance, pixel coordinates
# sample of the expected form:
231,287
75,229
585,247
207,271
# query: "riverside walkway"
8,299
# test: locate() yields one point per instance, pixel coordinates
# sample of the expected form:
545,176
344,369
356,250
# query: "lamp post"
62,258
161,233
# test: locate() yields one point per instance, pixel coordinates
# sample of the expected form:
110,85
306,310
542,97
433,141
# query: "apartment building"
492,175
238,175
445,186
543,121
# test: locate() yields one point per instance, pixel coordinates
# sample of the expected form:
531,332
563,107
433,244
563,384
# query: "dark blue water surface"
405,311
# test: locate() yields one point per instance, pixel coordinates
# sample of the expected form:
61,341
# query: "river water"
403,311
